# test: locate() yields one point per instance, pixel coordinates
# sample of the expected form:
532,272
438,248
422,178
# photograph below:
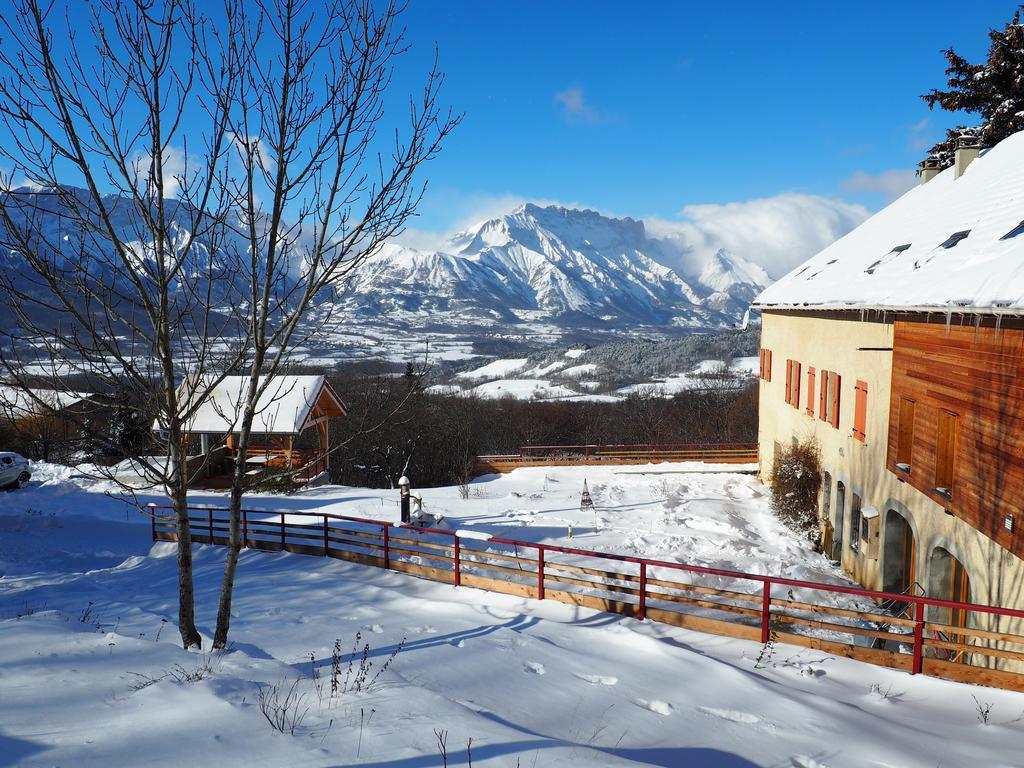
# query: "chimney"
928,169
967,148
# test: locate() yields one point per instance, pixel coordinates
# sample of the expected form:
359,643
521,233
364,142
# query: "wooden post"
282,531
387,553
766,611
209,512
455,555
918,639
245,528
326,545
152,521
540,573
642,610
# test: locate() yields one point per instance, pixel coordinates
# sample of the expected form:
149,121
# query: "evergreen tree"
994,90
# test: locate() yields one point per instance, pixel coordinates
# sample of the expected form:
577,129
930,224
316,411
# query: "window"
955,238
1019,229
810,391
945,452
828,405
905,434
826,496
860,411
793,383
766,364
855,523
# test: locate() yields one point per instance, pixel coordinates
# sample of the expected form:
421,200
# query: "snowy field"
565,380
91,672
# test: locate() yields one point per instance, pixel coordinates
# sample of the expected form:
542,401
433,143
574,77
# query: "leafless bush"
442,745
282,705
795,482
984,710
357,677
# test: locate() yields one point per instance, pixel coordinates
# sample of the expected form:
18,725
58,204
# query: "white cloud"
892,184
777,232
921,136
574,106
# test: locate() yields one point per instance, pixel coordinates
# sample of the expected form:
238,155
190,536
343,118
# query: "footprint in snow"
377,629
534,667
733,715
655,706
597,679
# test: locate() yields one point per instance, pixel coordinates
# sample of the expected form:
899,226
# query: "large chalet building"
900,350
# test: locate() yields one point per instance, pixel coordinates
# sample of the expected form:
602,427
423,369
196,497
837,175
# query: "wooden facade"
956,421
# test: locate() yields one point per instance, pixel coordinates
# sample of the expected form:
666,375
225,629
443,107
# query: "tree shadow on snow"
13,751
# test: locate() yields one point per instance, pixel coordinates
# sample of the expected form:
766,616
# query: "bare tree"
186,185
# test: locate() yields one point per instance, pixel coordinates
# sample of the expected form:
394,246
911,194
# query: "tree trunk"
190,636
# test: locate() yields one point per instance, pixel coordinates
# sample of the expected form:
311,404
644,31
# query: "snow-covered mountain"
566,267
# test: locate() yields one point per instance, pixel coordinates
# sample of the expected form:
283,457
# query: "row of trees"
394,428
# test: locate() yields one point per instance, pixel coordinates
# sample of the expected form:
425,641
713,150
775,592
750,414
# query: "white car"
13,470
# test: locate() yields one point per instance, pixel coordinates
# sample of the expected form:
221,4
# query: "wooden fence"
573,455
899,631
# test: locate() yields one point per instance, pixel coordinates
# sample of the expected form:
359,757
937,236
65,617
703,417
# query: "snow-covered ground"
561,380
91,672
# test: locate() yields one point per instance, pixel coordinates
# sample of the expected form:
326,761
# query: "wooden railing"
764,609
572,455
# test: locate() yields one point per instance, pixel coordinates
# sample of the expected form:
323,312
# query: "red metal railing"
465,558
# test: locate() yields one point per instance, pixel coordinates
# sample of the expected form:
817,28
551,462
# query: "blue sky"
643,109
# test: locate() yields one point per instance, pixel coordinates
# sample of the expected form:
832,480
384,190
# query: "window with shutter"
789,381
860,411
945,452
823,402
810,390
835,382
855,517
905,435
794,398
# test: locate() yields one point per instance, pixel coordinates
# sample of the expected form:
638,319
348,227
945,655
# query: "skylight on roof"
896,251
1018,230
955,238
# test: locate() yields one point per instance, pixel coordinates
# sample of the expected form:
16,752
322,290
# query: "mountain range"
568,268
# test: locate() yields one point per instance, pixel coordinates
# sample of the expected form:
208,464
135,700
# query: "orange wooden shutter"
769,371
789,381
860,411
810,390
838,380
796,385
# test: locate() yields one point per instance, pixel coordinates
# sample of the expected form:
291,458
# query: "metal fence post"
152,520
282,531
766,611
918,639
540,573
209,513
326,546
642,612
245,528
387,554
457,554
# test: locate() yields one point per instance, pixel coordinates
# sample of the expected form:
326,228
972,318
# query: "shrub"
795,482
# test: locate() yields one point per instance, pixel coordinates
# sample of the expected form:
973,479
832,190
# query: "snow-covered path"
85,596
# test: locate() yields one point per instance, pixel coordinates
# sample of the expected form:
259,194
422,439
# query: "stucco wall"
856,349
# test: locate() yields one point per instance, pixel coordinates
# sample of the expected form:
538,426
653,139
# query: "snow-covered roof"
284,408
16,403
908,256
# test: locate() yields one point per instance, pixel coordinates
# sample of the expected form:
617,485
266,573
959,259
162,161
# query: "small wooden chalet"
290,430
